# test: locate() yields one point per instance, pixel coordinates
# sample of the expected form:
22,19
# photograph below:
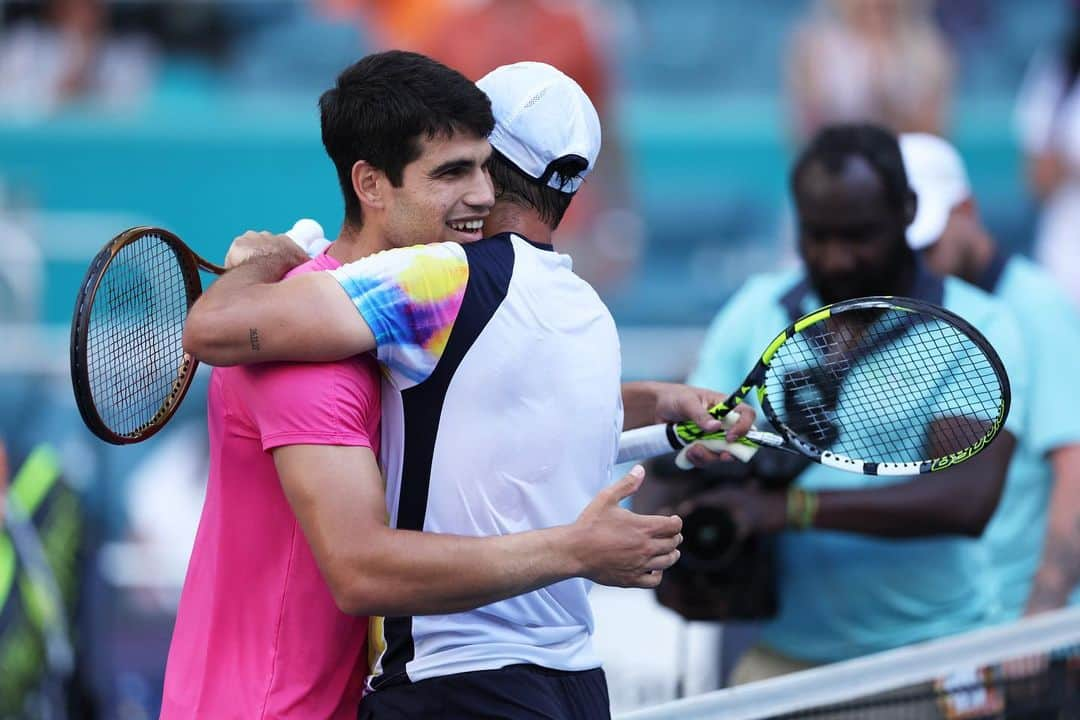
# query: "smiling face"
850,236
444,194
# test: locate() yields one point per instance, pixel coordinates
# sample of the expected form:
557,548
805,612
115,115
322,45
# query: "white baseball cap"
541,115
936,174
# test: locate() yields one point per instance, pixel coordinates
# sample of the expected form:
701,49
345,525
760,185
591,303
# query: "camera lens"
709,537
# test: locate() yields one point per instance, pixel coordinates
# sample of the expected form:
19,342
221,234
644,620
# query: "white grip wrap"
308,234
717,444
644,443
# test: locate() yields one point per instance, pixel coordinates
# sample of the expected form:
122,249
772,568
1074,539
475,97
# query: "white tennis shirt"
501,413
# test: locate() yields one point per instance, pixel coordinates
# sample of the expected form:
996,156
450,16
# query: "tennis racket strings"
886,384
134,349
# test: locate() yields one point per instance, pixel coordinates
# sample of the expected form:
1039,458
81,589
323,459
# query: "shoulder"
414,258
1027,284
1046,314
989,314
971,303
315,264
995,320
763,291
415,274
750,314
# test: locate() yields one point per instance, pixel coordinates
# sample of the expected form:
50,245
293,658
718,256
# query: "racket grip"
739,451
308,234
646,442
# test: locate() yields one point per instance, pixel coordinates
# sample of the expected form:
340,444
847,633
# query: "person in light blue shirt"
881,562
1034,537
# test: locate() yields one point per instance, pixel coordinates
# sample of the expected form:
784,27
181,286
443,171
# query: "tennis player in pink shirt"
258,633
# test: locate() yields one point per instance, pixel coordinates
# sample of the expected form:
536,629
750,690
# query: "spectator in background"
600,230
847,586
41,545
21,265
62,52
400,24
1040,508
1048,124
880,61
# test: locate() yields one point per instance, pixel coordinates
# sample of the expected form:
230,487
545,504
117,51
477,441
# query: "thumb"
629,483
708,423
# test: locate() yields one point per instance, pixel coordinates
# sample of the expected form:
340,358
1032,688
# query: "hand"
620,548
754,511
676,403
279,248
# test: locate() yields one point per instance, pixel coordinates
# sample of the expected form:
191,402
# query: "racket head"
129,371
883,386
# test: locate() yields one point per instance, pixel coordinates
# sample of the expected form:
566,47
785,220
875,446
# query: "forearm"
956,501
639,404
216,330
909,510
403,572
1059,569
245,319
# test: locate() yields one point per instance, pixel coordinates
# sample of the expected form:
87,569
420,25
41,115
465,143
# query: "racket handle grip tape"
652,440
646,442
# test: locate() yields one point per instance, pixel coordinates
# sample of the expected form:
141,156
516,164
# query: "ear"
369,183
968,206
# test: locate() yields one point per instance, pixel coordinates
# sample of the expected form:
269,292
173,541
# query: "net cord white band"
879,672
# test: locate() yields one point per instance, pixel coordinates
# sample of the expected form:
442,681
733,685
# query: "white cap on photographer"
936,174
541,116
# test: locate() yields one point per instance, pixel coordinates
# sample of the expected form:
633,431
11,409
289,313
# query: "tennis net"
1027,669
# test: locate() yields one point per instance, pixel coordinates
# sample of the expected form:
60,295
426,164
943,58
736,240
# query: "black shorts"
528,692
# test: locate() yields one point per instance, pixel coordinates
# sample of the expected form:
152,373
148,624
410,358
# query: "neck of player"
510,217
353,243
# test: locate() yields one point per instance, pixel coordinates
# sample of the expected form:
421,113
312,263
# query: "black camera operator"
841,564
730,512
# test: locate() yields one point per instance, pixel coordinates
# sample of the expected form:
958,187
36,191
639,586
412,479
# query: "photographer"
863,563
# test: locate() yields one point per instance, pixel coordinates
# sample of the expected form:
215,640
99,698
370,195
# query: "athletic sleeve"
313,403
410,298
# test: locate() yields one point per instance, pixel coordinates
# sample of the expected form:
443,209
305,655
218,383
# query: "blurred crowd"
114,526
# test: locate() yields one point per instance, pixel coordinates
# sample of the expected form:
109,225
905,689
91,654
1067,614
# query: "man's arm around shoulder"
248,316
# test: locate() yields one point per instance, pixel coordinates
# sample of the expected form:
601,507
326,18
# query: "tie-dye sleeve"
410,298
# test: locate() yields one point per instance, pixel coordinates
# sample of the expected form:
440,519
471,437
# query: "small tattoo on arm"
253,334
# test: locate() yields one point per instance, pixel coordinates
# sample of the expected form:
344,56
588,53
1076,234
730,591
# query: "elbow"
973,528
355,598
974,522
976,516
203,338
349,603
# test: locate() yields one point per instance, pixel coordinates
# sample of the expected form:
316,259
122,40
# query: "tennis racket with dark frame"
129,370
875,385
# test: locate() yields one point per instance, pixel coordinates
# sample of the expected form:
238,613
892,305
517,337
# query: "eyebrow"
452,165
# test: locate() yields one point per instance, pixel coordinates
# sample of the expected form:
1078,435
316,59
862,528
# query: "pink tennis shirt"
258,635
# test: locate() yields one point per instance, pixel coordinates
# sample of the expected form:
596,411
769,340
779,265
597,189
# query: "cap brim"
929,223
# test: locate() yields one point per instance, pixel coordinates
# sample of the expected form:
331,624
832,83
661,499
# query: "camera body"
719,575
